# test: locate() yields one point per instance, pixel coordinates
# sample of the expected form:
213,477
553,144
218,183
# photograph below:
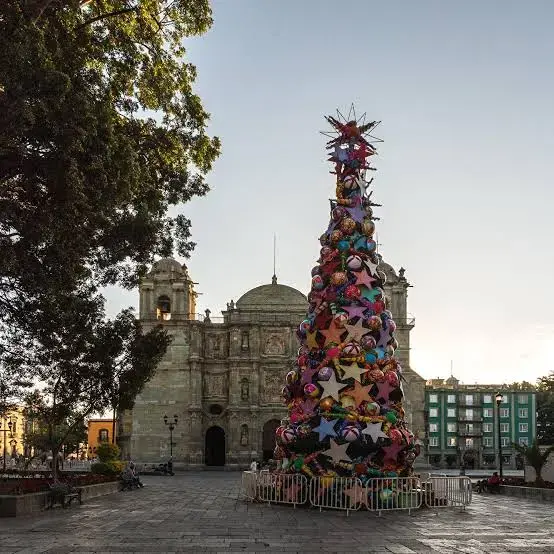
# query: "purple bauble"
325,373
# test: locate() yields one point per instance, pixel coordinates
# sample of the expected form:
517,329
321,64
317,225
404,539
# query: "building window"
244,435
469,399
469,414
504,412
487,441
433,398
451,441
523,427
433,441
433,412
103,435
163,308
523,441
452,399
523,413
469,443
487,399
505,441
487,412
451,412
451,427
487,427
523,398
245,341
504,427
433,427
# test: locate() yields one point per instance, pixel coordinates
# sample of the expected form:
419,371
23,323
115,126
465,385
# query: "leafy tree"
100,134
76,358
545,409
38,436
535,457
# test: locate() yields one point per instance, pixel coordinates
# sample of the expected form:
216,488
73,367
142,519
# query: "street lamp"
499,399
171,425
9,423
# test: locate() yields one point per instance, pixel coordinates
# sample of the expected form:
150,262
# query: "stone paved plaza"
199,512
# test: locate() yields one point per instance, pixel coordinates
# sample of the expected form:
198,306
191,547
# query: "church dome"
274,297
168,265
388,270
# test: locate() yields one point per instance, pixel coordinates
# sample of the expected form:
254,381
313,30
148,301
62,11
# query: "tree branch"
105,16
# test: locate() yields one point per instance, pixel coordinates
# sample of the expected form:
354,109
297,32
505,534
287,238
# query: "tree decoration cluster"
344,395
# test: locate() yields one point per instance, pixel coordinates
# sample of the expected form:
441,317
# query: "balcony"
462,402
471,418
476,432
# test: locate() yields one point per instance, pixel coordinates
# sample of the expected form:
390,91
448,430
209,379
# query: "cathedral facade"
221,378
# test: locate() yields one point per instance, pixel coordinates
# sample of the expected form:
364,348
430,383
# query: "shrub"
107,452
111,467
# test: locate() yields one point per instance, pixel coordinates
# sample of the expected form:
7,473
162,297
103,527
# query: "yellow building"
99,430
12,430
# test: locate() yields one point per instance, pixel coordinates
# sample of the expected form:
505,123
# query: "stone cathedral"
222,377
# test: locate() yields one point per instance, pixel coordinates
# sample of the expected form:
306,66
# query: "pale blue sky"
465,93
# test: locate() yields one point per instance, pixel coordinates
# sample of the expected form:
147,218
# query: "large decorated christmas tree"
344,395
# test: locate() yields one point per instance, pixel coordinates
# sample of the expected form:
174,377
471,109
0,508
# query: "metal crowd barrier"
347,493
393,494
337,493
282,488
444,492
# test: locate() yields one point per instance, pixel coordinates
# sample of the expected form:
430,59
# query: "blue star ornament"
325,429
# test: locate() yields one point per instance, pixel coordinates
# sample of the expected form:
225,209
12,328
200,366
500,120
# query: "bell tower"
167,293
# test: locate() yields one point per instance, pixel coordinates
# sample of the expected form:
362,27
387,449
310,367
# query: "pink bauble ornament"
374,323
279,431
354,263
351,349
350,433
376,375
338,213
395,436
391,378
391,326
295,417
352,292
324,374
317,282
333,352
311,390
368,342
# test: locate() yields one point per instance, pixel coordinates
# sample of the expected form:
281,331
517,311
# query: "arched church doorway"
215,446
268,438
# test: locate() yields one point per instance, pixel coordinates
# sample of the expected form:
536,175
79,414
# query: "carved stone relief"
215,385
272,385
274,345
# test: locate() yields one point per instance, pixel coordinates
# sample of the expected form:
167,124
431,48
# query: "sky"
464,91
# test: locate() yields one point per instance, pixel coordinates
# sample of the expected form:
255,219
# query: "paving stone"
199,512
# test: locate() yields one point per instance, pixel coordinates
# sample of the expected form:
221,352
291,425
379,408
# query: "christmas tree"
344,395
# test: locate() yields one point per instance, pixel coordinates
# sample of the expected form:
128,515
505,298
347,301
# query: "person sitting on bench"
129,476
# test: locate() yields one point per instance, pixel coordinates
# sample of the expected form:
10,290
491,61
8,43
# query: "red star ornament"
391,452
359,393
332,334
364,278
385,388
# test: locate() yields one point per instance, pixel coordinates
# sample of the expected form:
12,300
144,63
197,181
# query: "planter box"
529,493
26,504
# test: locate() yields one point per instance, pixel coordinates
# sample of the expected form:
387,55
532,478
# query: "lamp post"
499,399
8,424
171,425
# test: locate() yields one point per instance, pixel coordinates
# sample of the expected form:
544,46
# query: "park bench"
64,494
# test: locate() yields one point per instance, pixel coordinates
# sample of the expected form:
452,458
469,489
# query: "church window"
216,409
245,341
163,308
244,435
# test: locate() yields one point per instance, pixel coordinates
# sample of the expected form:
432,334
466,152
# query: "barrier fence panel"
442,492
249,485
339,493
282,488
395,493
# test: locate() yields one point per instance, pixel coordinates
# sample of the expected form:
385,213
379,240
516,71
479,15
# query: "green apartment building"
462,424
